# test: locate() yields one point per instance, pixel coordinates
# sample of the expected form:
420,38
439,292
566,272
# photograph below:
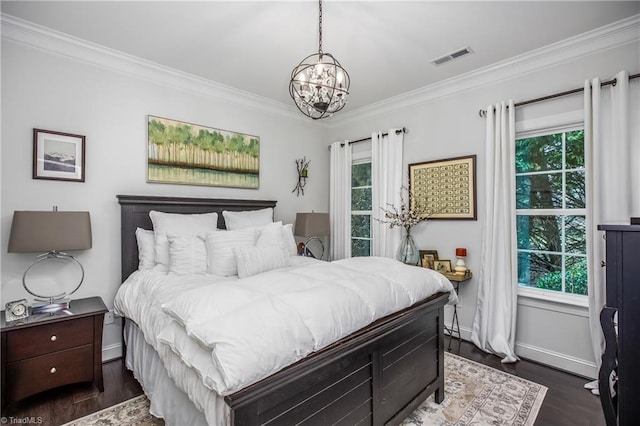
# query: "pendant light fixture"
319,85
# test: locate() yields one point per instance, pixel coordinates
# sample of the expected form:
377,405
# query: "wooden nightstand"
456,279
49,350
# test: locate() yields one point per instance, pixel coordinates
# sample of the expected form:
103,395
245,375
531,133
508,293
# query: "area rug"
479,395
474,395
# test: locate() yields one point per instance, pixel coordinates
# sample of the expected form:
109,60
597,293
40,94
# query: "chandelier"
319,85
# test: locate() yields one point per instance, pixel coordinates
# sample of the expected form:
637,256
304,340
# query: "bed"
376,375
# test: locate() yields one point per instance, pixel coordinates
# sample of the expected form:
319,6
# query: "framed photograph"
427,258
192,154
444,189
58,156
442,265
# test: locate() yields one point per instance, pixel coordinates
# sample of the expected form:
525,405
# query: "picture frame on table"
58,156
427,257
442,265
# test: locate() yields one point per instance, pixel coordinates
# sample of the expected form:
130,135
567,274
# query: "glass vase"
408,252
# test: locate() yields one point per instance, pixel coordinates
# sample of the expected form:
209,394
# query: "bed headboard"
134,213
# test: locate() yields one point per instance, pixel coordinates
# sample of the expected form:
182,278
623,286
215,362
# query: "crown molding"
54,42
600,39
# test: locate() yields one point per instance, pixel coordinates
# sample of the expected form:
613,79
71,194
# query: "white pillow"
277,234
220,245
187,254
270,235
146,249
289,240
247,219
255,260
179,224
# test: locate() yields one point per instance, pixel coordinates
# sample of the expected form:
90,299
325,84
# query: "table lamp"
461,267
51,233
312,226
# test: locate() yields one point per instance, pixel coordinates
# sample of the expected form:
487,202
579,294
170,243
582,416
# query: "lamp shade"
312,224
461,252
46,231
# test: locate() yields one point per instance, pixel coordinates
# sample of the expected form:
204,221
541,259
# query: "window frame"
559,123
361,158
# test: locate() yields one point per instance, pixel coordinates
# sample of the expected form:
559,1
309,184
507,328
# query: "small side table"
45,351
456,279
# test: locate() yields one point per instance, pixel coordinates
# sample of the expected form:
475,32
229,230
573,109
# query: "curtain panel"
386,184
494,324
340,200
612,158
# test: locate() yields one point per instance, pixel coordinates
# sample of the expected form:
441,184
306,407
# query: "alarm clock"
15,310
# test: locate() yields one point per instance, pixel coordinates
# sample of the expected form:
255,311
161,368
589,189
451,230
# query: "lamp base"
461,267
50,307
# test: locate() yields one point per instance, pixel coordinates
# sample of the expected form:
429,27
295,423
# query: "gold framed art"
192,154
444,189
427,258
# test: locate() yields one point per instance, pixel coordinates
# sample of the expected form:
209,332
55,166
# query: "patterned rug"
474,395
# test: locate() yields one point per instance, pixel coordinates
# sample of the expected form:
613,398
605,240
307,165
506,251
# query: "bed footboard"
376,376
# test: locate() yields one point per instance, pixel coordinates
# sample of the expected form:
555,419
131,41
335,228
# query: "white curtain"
386,183
612,159
340,200
494,324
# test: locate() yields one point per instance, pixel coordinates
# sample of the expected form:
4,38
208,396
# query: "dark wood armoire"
619,376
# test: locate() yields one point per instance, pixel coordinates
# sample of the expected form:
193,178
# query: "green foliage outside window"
361,209
550,175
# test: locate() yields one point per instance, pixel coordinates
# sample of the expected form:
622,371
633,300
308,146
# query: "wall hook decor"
302,165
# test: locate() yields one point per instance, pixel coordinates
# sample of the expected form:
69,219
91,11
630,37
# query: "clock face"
19,309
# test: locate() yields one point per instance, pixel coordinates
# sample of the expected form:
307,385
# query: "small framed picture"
58,156
442,265
427,257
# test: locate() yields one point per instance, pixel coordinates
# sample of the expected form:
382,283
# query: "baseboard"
111,352
557,360
549,358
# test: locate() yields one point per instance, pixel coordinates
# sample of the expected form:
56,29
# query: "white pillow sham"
187,254
247,219
146,249
179,224
255,260
220,245
277,234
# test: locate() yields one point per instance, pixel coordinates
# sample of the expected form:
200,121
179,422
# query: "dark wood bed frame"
376,376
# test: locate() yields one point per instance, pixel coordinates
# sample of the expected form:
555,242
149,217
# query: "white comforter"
235,332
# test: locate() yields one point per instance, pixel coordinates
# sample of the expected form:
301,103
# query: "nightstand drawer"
44,339
35,375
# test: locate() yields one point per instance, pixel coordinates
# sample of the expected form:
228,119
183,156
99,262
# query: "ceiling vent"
453,55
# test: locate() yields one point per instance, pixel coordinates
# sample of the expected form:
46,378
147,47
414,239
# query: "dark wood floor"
566,402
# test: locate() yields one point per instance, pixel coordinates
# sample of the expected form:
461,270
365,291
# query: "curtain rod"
403,130
483,113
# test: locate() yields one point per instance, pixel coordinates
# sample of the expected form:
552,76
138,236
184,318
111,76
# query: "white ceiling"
386,46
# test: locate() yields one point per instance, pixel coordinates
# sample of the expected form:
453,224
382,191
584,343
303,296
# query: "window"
551,212
361,208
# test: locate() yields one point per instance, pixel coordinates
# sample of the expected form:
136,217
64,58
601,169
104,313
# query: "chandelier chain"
320,28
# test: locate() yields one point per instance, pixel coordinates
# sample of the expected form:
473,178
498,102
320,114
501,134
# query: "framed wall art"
58,156
191,154
444,189
427,258
442,265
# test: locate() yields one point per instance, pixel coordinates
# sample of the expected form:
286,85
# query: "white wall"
443,122
50,91
43,86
